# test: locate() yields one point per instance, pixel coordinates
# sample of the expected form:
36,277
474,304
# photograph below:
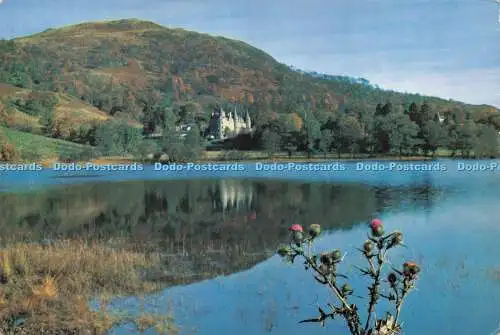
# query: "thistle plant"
387,282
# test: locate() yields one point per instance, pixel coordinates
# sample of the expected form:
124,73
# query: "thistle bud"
326,259
283,250
336,255
346,289
368,246
410,269
397,238
314,230
298,237
392,278
324,269
378,231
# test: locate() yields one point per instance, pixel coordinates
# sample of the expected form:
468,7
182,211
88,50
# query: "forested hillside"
104,83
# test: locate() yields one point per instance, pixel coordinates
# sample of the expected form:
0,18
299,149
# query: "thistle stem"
374,296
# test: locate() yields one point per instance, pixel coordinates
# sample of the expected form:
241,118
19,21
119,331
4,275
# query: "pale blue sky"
447,48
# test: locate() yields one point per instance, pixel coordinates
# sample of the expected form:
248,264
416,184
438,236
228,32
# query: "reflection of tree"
227,218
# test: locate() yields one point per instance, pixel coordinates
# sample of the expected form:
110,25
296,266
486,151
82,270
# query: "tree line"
389,130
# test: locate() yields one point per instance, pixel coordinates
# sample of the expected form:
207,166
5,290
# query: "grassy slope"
68,107
39,146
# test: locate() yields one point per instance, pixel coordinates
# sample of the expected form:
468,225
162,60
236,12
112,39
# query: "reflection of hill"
222,224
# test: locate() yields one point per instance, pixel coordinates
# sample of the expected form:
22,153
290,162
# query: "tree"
47,121
8,152
467,138
413,113
402,134
334,126
352,133
193,144
271,142
487,145
381,129
117,137
325,142
172,143
312,132
434,136
3,114
426,114
367,140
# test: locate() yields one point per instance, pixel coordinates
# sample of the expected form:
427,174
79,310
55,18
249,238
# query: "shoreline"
47,163
220,157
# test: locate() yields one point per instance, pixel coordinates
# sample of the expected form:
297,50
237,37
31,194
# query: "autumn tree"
8,152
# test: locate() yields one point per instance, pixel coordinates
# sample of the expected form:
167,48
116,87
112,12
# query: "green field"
32,146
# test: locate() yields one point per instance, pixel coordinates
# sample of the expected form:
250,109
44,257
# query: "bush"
25,128
233,155
325,266
9,153
146,148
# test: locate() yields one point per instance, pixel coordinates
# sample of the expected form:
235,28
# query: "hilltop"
132,55
92,72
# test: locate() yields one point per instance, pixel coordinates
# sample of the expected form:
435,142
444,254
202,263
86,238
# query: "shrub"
233,155
9,153
399,282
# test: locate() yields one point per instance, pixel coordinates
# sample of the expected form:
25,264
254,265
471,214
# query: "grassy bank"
257,156
48,287
35,147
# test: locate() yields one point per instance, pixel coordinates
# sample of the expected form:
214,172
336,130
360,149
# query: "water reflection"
159,210
455,241
235,222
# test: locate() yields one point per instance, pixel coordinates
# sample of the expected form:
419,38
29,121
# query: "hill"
125,59
91,72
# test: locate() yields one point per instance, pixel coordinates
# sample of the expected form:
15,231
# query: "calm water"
227,228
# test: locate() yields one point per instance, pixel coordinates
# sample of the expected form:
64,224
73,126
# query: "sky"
445,48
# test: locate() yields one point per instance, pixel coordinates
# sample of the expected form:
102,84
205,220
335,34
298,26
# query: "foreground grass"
48,287
34,147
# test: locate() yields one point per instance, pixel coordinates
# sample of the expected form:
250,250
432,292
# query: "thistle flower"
377,228
296,227
314,230
375,223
